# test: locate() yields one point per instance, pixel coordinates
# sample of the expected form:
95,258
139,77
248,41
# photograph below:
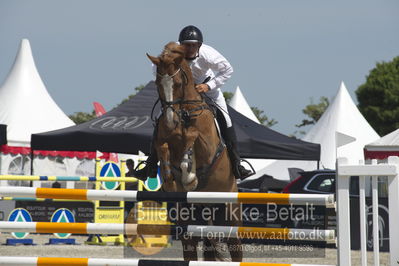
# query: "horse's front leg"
188,163
188,168
169,183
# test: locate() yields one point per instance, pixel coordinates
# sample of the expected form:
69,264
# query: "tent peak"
342,115
25,104
24,66
240,104
342,85
342,89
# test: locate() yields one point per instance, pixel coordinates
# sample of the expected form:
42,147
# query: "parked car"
318,182
323,182
264,183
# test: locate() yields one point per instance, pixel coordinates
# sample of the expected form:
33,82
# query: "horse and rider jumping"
210,70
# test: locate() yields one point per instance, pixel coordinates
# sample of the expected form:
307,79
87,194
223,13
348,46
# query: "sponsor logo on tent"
122,122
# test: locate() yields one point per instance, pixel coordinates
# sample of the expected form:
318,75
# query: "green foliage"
378,97
228,95
81,117
263,119
314,111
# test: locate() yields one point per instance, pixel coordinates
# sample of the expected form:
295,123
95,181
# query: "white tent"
25,105
26,108
341,116
384,147
240,104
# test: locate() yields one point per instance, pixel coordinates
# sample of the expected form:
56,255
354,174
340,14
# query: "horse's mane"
175,53
171,52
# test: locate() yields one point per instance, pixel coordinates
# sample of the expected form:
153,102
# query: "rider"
210,71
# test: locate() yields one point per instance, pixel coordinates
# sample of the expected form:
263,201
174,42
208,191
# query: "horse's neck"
190,93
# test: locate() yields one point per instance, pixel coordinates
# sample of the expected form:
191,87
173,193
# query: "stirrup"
248,172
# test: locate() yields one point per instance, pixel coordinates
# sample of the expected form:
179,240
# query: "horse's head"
173,75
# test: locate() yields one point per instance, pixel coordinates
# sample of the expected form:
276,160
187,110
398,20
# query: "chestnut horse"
191,153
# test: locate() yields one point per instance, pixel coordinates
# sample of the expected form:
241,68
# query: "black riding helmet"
190,34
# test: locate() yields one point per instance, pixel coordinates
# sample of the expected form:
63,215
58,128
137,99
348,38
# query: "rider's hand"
202,87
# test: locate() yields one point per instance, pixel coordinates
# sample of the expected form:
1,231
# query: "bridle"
185,115
177,71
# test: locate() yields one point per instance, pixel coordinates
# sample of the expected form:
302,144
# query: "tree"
263,119
81,117
378,97
314,111
228,95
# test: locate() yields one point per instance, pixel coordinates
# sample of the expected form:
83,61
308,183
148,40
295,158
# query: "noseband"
178,70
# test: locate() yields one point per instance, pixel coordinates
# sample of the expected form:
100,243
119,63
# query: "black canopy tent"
3,134
128,128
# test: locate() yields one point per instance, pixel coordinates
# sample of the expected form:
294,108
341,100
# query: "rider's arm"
220,66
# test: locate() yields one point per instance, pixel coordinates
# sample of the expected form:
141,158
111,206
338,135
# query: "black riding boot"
231,142
151,164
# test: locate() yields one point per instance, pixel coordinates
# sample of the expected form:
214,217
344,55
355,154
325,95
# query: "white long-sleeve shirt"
210,63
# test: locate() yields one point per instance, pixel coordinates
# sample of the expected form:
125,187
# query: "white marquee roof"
387,142
241,105
25,104
341,116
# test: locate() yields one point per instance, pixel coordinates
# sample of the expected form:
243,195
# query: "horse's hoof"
192,185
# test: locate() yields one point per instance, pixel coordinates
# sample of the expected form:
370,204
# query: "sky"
285,53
